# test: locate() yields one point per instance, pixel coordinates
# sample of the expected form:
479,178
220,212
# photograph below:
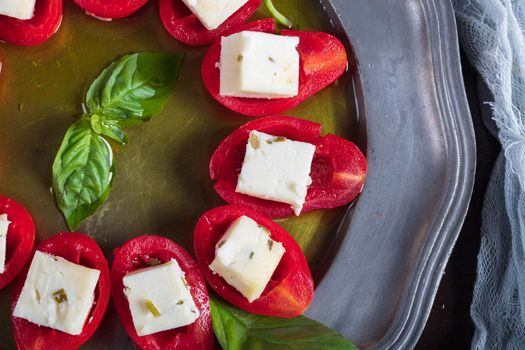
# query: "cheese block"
159,298
57,293
213,13
259,65
4,227
20,9
276,168
246,257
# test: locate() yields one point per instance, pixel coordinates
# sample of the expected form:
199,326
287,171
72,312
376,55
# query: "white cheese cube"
212,13
246,257
159,298
259,65
4,227
277,169
57,294
21,9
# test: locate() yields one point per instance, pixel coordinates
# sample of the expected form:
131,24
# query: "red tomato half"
20,239
110,9
322,61
137,254
80,249
291,289
34,31
186,27
338,169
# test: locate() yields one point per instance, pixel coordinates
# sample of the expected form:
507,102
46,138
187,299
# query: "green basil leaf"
82,173
135,87
239,330
109,128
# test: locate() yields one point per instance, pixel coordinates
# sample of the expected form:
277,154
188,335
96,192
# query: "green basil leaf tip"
82,173
278,15
239,330
134,88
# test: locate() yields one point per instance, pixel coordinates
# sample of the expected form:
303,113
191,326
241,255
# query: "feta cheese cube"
159,298
212,13
57,293
246,257
259,65
4,227
21,9
277,169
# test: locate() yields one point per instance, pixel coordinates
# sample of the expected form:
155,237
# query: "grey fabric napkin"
492,35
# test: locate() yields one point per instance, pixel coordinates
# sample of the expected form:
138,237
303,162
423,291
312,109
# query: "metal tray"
395,243
377,275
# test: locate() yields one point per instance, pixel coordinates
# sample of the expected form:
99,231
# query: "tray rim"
418,297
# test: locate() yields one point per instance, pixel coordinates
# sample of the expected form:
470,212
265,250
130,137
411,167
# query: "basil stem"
277,15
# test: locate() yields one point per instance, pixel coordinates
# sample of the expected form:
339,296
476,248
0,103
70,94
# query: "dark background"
449,325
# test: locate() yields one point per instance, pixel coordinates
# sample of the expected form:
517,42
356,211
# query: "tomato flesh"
338,169
186,27
110,9
20,239
322,57
80,249
138,253
34,31
291,288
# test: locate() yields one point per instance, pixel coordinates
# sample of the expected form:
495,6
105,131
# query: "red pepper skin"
79,249
291,289
136,254
34,31
186,27
20,239
338,168
110,9
322,57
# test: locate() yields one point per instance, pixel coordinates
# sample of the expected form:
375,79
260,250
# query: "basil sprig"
128,92
239,330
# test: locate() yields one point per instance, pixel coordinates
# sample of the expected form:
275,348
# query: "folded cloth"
492,35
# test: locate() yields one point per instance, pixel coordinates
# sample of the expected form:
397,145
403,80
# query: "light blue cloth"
492,35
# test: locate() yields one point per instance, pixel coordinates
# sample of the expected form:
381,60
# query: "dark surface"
449,325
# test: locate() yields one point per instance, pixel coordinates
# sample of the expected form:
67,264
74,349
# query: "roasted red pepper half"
110,9
322,61
139,253
34,31
338,169
20,239
186,27
291,288
80,249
